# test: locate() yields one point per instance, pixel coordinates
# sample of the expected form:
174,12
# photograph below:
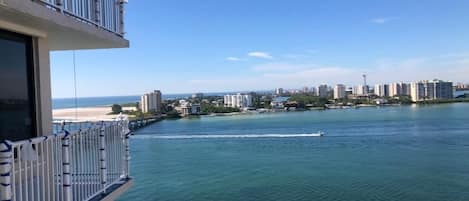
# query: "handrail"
105,14
66,166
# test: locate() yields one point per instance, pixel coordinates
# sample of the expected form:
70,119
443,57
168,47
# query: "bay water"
413,153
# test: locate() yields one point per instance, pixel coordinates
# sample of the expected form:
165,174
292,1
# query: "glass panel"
16,102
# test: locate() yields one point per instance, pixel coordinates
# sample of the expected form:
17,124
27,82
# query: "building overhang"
64,32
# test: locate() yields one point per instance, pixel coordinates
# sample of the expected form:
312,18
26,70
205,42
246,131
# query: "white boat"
318,134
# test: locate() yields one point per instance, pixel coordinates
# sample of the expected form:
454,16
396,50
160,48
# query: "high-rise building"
366,89
431,90
399,89
279,91
323,90
405,89
238,100
395,89
305,89
339,91
360,90
382,90
151,102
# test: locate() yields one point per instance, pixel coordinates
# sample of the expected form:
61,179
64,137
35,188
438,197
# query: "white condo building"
382,90
151,102
238,100
360,90
431,90
399,89
279,91
339,91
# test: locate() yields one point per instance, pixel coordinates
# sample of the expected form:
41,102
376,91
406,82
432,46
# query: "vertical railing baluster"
6,159
97,11
60,5
102,157
66,177
126,132
121,16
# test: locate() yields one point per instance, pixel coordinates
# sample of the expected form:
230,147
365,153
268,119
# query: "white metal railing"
66,166
107,14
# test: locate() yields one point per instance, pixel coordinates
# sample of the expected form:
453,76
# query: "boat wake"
225,136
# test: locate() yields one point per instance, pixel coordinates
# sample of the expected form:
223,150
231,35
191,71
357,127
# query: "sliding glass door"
17,102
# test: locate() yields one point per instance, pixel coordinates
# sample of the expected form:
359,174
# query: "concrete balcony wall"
64,32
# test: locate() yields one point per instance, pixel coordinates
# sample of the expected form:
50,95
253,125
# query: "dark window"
17,117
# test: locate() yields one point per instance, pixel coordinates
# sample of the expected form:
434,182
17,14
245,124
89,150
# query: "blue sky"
183,46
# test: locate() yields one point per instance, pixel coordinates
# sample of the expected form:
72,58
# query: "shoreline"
102,113
94,113
269,111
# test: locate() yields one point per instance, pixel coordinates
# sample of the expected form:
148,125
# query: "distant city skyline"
246,45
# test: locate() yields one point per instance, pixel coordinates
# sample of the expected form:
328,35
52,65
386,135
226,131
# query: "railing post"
6,154
126,132
121,16
60,4
97,11
102,157
66,174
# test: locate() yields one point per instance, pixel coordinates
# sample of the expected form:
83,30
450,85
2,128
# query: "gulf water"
410,153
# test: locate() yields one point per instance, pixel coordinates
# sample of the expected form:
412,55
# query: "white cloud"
383,20
262,55
233,59
291,75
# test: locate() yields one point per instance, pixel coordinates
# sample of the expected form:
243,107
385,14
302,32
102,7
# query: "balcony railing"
79,165
107,14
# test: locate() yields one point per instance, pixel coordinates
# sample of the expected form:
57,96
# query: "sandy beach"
86,113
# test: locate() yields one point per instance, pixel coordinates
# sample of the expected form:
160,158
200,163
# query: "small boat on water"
318,134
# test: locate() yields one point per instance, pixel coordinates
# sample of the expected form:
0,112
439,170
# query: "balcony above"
67,24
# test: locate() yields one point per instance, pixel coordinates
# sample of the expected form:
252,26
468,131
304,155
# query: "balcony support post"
6,158
97,11
66,174
121,16
126,132
102,158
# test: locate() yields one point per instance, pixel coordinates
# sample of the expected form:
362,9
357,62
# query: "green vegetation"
306,99
400,99
454,100
208,108
173,115
116,109
129,104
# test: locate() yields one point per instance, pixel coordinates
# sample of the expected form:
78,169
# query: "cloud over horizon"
290,75
262,55
233,59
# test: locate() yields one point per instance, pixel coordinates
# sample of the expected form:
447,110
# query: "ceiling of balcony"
63,32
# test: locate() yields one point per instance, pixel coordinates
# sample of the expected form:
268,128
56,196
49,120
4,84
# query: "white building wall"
238,100
151,102
339,91
360,90
382,90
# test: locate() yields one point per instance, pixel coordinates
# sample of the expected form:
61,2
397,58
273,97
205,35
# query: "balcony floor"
115,190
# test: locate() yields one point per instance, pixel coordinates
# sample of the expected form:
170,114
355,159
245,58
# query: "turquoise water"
392,153
60,103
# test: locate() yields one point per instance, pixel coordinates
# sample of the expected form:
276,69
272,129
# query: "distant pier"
143,122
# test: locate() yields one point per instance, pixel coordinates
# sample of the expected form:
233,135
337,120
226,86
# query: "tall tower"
364,79
365,86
